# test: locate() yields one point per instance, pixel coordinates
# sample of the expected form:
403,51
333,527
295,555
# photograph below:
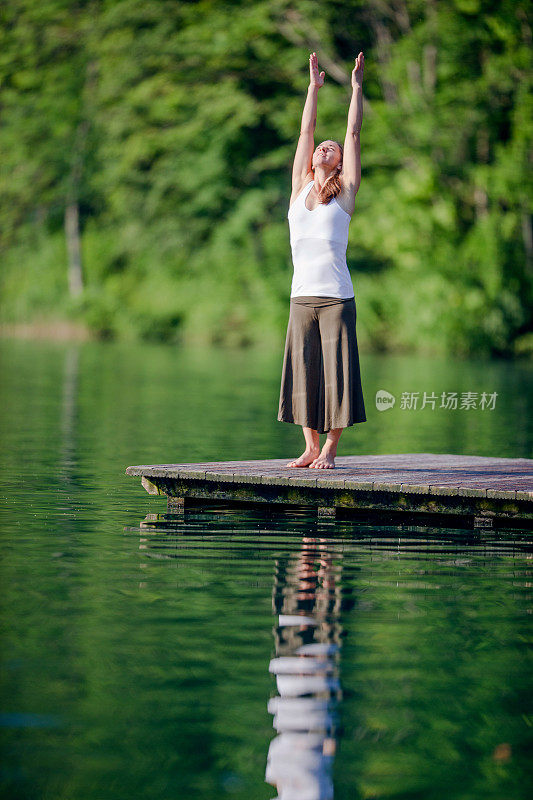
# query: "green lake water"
199,657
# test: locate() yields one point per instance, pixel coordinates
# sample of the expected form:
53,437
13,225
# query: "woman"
321,382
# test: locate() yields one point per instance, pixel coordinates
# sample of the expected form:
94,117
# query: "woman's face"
327,154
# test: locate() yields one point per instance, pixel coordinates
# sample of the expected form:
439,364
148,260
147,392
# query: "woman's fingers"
357,72
316,77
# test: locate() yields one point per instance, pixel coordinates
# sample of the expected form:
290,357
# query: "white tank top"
319,239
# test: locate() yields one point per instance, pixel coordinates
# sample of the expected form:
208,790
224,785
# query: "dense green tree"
47,78
164,132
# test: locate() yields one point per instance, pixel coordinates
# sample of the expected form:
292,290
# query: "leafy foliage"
173,127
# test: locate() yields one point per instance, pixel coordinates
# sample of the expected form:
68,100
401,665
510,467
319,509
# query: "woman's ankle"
330,448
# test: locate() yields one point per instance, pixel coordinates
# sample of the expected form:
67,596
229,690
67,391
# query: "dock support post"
150,487
326,511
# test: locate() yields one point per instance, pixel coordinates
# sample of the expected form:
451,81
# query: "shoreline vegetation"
53,330
68,331
147,153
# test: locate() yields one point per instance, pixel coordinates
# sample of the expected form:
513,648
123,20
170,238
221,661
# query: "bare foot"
324,461
305,459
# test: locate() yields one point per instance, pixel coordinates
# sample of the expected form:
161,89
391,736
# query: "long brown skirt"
321,379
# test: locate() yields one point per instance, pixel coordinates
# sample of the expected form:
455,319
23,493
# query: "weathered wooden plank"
470,491
276,480
218,476
506,493
304,480
417,488
358,486
251,478
383,486
334,483
191,473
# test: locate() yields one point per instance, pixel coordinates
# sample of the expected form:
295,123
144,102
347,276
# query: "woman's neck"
320,177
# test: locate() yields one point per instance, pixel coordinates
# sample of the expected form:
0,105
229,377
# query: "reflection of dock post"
176,505
326,511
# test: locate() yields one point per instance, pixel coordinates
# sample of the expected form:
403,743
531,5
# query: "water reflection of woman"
307,596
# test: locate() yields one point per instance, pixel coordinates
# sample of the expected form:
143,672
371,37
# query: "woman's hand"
315,78
357,72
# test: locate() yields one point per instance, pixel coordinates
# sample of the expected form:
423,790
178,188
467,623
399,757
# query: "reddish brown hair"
332,187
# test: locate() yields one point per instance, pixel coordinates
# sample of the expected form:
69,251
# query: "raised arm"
306,142
351,162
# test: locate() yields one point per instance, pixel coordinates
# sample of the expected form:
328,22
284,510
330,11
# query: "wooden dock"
471,491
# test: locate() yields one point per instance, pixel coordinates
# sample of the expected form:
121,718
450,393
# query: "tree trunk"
527,236
72,217
72,232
